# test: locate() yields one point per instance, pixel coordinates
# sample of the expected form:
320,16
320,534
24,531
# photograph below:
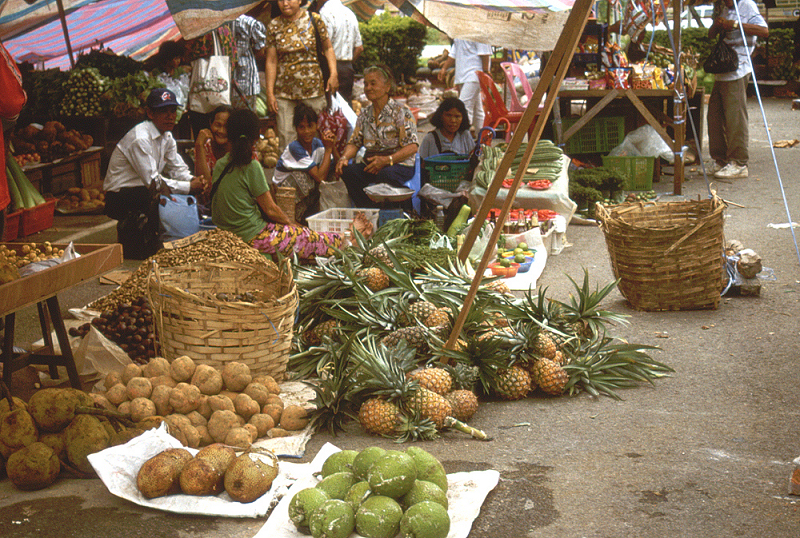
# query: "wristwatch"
391,160
735,25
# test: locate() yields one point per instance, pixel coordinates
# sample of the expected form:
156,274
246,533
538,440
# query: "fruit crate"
37,218
90,171
637,170
11,226
339,219
600,135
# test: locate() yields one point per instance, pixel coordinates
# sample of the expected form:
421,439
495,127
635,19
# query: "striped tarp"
128,27
17,16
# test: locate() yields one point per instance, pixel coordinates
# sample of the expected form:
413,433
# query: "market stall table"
637,98
555,198
42,288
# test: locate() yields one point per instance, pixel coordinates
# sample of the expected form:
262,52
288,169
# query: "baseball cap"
160,97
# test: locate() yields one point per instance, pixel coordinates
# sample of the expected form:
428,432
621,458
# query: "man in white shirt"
343,30
728,135
468,57
144,163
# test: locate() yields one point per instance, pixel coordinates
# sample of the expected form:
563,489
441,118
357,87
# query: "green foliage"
394,41
588,185
695,39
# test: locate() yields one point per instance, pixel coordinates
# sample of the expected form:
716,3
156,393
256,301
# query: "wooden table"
42,289
602,98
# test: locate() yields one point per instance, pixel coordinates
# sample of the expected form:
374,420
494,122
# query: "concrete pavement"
705,453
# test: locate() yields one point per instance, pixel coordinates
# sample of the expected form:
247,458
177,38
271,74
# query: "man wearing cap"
145,163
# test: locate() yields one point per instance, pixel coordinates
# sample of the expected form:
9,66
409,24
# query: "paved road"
706,453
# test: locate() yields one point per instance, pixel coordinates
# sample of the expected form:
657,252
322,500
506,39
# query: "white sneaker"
732,171
714,167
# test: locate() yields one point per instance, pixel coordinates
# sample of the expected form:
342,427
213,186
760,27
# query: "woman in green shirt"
242,204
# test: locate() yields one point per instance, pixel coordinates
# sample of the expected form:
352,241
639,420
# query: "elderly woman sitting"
388,132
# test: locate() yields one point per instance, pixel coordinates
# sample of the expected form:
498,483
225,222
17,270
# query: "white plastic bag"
210,85
338,103
333,194
644,142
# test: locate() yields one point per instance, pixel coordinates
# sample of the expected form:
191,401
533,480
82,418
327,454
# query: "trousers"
728,134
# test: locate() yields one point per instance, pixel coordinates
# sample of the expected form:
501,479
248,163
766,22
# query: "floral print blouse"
394,129
299,75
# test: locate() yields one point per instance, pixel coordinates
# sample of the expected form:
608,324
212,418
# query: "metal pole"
63,17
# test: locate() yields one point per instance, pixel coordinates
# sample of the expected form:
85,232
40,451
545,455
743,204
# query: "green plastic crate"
447,170
638,171
600,135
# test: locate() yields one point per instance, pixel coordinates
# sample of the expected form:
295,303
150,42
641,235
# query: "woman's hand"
272,101
198,184
377,163
333,84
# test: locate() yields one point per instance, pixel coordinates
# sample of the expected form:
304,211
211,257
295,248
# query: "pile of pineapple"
372,337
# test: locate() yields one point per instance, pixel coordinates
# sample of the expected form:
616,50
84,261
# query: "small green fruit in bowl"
505,262
523,246
519,258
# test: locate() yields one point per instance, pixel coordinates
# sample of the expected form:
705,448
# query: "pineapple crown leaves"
585,307
604,366
334,392
484,358
414,427
383,370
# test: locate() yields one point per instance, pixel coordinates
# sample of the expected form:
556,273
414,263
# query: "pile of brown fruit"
213,469
128,325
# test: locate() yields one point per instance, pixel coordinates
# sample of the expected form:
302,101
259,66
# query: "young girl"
305,162
241,202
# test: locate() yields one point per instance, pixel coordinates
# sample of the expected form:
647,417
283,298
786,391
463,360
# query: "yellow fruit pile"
268,149
82,199
11,259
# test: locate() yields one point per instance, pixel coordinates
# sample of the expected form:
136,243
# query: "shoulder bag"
209,86
322,60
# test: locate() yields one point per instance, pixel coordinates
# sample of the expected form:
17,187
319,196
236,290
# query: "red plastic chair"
514,71
494,107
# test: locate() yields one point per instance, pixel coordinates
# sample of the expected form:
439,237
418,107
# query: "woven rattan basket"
193,318
284,198
667,256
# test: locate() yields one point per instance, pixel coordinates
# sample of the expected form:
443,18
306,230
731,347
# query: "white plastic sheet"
118,467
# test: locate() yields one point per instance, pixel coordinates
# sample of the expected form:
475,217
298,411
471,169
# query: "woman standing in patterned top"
292,71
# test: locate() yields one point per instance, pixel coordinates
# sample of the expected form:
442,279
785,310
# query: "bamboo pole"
554,73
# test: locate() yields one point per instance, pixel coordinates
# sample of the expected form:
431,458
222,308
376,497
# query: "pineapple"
315,335
513,383
464,403
431,405
560,358
544,346
386,378
437,380
374,278
420,311
549,376
438,318
414,336
379,416
499,287
378,253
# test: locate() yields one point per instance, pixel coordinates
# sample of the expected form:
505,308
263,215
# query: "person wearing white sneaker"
727,106
732,171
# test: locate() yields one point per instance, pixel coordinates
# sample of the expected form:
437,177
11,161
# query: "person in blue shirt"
305,162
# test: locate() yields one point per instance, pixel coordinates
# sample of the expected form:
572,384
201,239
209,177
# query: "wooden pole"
63,16
554,73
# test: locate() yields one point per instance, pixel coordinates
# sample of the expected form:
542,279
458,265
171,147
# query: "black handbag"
722,58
